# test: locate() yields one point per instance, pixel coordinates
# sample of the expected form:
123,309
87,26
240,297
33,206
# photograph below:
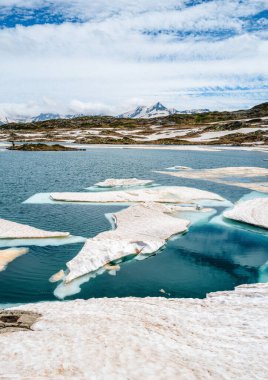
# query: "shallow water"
209,257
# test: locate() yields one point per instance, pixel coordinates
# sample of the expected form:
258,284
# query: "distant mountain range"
40,117
140,112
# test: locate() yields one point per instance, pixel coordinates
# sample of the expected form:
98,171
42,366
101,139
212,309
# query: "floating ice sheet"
13,230
214,173
161,194
123,182
64,290
9,255
139,229
253,211
95,188
230,176
220,219
179,167
41,242
14,234
45,198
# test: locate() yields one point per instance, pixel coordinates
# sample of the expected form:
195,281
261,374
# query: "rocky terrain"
41,147
237,128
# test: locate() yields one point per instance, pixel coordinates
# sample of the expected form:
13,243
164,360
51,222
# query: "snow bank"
222,336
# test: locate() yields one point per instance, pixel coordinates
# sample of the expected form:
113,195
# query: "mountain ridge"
158,111
140,112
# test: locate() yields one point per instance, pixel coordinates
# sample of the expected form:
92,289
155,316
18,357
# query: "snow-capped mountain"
157,110
40,117
47,116
194,111
144,112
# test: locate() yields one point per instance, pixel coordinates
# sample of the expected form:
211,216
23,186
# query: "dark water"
208,258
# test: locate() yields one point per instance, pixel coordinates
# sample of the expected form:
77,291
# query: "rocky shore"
40,147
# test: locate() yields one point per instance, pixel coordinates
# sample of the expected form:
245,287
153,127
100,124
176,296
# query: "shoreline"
202,147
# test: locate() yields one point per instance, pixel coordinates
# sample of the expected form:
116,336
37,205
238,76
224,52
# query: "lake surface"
210,257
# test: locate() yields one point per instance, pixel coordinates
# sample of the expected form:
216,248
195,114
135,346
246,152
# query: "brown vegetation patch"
16,320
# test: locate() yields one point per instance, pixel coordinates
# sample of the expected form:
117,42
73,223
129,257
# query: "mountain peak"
158,107
144,112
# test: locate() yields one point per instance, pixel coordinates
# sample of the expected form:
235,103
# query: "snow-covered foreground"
221,337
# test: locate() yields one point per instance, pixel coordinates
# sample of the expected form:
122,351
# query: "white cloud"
101,65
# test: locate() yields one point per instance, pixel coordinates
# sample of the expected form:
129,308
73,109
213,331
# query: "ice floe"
179,167
221,175
254,211
45,198
211,174
165,194
255,186
57,276
13,230
42,242
14,234
8,255
139,229
128,182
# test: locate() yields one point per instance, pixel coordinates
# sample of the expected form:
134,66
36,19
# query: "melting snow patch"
8,255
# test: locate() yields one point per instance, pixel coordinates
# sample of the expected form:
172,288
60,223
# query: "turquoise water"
209,257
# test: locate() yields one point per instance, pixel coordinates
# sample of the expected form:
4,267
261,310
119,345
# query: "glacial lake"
209,257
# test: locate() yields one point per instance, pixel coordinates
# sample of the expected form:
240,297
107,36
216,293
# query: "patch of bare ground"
17,320
240,139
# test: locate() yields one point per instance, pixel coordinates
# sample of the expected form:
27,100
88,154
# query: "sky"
106,57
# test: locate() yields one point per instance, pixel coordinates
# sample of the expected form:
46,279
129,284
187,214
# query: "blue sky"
86,56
